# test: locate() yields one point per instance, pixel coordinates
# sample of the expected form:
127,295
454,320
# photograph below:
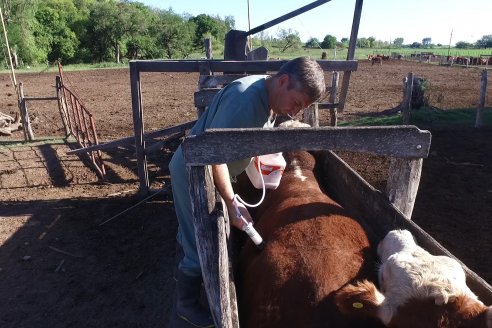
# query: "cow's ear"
360,300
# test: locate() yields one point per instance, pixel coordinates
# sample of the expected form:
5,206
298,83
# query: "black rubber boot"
188,306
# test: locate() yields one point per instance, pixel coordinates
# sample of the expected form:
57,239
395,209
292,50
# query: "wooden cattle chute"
406,145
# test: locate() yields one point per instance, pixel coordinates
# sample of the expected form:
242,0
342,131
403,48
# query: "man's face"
287,101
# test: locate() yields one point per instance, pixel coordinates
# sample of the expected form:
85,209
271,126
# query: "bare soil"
75,253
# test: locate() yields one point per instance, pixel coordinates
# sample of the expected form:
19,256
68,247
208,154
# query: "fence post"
481,104
208,48
310,115
407,98
403,183
333,98
26,123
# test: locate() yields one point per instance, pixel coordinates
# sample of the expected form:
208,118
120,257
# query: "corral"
62,268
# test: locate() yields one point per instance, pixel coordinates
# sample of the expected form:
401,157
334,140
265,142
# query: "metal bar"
355,29
138,126
75,117
350,53
61,109
129,140
286,16
80,132
41,98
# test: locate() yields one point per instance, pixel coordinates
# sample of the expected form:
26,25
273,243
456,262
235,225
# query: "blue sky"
384,19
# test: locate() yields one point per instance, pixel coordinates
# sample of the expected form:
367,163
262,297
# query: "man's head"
297,84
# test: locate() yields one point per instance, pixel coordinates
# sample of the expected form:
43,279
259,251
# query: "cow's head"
417,289
394,242
364,300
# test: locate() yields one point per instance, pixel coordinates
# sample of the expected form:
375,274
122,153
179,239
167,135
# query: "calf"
417,290
313,248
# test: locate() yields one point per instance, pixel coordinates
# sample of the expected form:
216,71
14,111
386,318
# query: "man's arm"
223,184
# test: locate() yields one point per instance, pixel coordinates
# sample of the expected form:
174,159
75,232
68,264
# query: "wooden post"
407,98
310,115
350,53
403,183
208,48
483,90
235,45
211,231
26,123
333,98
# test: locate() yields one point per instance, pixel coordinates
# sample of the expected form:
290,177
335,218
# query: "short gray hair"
305,75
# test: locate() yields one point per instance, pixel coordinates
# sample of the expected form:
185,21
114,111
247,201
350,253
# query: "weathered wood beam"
403,183
232,66
227,145
211,236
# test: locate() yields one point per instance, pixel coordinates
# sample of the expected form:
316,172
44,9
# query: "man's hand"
236,221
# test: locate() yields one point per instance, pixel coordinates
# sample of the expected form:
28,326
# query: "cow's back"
312,249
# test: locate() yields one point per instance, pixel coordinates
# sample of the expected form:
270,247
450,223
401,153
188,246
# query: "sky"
412,20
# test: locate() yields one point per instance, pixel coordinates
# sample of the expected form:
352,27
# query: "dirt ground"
76,252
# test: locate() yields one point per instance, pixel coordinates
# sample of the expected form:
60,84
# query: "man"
247,102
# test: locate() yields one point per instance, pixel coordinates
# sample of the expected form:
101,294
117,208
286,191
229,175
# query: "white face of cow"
408,276
394,242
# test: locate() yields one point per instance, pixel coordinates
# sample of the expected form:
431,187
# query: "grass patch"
428,118
66,68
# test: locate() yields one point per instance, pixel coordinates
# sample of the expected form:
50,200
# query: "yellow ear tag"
357,305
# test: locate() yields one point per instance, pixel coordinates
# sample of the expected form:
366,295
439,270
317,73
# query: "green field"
429,118
341,54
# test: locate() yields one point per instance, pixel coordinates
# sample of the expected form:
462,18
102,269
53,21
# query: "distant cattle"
375,59
313,248
417,289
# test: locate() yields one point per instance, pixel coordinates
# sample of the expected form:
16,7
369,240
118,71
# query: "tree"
207,26
139,38
363,43
329,42
426,42
416,45
485,42
372,41
463,45
107,25
312,43
398,42
20,21
54,33
289,39
174,35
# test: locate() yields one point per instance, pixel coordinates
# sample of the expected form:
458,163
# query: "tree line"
88,31
91,31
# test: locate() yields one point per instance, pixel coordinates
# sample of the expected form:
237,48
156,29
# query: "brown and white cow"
313,248
417,289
